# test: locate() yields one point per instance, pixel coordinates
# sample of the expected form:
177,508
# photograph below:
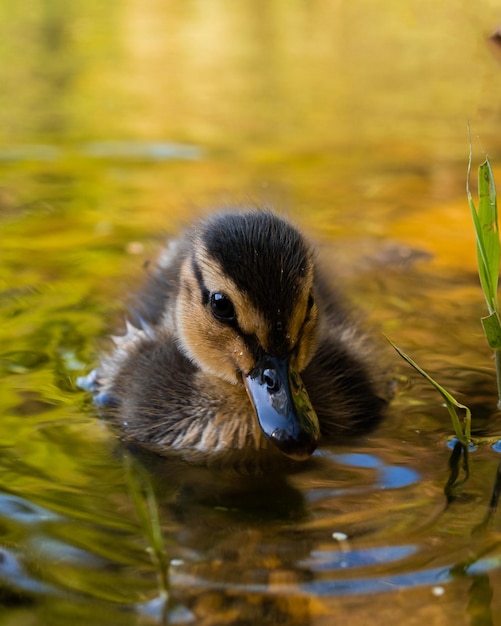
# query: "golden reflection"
352,118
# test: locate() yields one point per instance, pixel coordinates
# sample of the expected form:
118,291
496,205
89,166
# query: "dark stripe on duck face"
267,259
250,339
198,275
252,344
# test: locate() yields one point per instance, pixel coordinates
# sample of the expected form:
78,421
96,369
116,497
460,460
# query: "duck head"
246,312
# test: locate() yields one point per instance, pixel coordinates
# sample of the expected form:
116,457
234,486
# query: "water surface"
121,122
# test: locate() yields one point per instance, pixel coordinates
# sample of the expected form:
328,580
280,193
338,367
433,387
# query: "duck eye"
221,307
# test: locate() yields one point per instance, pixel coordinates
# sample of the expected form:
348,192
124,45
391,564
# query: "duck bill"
283,408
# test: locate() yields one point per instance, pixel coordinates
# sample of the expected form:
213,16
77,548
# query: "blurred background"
129,116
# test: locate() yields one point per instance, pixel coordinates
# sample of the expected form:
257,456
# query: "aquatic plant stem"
462,427
497,360
143,497
485,221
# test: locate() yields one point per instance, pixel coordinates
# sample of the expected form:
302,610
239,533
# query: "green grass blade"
485,221
488,214
463,434
492,329
482,260
143,496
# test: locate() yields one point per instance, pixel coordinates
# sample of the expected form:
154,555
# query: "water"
118,124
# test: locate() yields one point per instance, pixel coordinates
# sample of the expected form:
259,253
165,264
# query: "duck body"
238,352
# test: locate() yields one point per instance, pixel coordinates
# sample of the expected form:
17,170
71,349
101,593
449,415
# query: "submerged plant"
459,460
462,426
145,503
485,221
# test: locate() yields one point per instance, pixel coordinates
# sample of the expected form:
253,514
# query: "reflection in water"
205,503
388,476
459,471
117,150
119,121
23,511
345,559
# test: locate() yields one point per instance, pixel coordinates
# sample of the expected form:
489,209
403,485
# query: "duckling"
238,351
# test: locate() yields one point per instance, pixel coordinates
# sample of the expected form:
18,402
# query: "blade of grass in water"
485,221
462,427
145,503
